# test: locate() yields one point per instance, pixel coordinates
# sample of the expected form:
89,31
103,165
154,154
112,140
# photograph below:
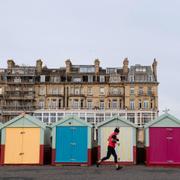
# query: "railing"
96,116
20,82
19,108
19,90
55,94
146,94
76,95
115,93
19,96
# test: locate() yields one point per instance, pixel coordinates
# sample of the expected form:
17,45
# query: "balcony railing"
19,96
111,93
20,90
150,93
55,94
76,94
18,108
20,82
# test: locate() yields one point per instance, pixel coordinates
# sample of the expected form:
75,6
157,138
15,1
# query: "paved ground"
87,173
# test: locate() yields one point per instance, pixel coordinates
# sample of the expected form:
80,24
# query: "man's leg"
109,152
115,159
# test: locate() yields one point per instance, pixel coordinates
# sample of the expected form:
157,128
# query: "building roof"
118,118
71,118
161,118
27,117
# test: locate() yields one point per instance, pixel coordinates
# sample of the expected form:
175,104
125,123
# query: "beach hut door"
71,144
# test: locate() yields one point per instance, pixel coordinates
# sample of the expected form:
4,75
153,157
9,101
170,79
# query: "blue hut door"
71,144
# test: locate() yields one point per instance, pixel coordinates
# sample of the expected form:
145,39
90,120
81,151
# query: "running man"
112,140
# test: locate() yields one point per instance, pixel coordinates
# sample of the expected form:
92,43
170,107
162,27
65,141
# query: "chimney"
125,66
10,64
68,65
39,65
154,67
96,63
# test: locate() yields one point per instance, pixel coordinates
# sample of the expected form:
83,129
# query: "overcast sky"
82,30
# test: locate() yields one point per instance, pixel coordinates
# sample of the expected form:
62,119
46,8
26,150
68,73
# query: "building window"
52,104
114,78
140,90
109,103
151,103
89,91
42,78
114,104
55,79
90,78
101,104
120,103
140,104
41,104
55,91
131,78
132,104
140,69
90,118
149,91
87,69
52,117
76,91
82,103
101,91
150,78
131,117
42,91
77,79
89,104
146,104
75,104
132,90
102,78
115,91
17,80
111,70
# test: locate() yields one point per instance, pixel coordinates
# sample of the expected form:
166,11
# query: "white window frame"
131,90
132,107
102,78
90,78
101,104
89,104
101,91
42,78
89,90
146,104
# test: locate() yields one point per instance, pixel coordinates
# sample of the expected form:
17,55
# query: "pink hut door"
164,145
157,145
173,145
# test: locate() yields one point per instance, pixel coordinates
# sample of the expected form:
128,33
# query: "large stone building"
89,91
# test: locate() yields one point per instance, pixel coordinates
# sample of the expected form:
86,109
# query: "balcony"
54,94
150,93
19,96
76,95
20,89
115,94
18,108
20,81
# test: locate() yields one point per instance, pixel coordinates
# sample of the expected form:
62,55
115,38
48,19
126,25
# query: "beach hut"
72,142
126,148
162,141
0,140
23,140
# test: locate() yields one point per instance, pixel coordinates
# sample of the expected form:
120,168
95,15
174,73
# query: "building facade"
88,91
